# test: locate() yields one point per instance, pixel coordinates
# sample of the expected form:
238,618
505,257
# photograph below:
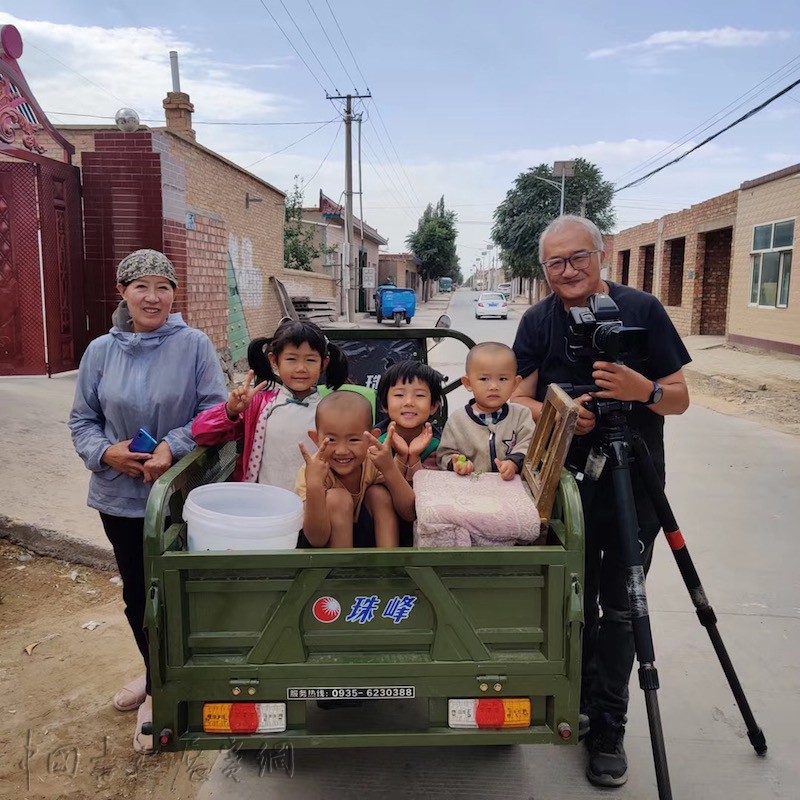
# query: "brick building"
401,269
221,225
684,259
723,267
327,223
764,304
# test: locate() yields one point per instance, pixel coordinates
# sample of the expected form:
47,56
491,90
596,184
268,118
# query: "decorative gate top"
19,111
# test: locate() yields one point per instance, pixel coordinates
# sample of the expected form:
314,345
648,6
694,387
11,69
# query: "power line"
346,44
197,121
403,193
391,142
718,116
366,83
313,52
330,150
386,185
389,164
335,51
708,139
285,36
79,74
284,149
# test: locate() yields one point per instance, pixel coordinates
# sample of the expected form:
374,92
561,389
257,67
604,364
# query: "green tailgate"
441,623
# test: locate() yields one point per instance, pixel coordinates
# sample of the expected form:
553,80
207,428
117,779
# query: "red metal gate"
42,321
42,317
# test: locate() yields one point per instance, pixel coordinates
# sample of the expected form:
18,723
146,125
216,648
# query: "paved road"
733,488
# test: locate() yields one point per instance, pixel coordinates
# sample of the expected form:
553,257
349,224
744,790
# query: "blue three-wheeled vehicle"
394,303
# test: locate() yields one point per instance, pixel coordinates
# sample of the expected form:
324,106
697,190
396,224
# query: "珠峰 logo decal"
326,609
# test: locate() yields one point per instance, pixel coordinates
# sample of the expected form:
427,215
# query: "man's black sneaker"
608,764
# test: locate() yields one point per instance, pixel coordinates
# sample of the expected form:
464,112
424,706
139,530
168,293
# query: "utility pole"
349,274
361,216
583,205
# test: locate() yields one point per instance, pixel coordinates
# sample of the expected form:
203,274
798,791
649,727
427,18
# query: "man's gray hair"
564,221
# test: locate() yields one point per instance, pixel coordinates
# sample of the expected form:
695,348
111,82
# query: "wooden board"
547,454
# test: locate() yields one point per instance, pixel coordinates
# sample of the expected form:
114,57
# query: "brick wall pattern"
156,189
631,247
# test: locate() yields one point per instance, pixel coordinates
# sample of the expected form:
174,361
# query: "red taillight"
490,714
243,718
480,305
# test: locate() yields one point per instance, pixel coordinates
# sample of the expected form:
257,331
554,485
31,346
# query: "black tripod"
619,446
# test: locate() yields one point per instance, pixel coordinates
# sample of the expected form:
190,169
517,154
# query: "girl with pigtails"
274,409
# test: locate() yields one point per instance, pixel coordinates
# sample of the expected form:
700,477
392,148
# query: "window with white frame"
772,264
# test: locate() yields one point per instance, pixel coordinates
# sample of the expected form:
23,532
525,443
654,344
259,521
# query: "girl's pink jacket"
213,427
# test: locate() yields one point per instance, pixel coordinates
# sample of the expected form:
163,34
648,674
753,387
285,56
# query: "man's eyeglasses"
579,261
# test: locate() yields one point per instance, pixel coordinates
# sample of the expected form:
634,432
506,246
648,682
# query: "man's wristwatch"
655,395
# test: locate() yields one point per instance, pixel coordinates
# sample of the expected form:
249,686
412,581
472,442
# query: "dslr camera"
596,332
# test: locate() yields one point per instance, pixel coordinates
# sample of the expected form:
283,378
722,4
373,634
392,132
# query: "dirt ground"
775,404
61,737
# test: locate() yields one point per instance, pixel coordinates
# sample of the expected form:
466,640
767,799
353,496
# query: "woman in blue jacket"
150,371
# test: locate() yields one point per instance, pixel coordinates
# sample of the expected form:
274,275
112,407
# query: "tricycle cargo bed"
402,632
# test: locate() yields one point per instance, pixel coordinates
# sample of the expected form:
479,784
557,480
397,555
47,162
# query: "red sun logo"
326,609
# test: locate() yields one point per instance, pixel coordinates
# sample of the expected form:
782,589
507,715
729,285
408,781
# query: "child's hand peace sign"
380,453
240,398
317,466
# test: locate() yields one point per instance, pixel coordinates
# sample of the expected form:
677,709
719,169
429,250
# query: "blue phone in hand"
143,442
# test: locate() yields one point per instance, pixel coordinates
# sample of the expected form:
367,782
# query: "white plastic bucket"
242,516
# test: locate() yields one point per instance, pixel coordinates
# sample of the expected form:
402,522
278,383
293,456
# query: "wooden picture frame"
547,453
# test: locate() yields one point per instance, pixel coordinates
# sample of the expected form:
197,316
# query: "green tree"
531,204
434,243
299,249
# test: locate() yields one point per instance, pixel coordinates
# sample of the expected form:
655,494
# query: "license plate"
492,305
350,693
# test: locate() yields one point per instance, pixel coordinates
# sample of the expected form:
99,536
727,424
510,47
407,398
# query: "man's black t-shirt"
541,344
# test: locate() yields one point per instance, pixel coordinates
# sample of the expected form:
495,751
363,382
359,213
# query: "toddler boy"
489,434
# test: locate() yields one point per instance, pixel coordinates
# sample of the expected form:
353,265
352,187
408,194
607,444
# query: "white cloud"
96,70
130,66
667,41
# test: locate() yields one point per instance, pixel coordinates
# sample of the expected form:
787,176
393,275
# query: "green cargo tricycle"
483,645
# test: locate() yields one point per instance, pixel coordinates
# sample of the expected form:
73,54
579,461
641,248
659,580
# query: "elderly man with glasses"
571,254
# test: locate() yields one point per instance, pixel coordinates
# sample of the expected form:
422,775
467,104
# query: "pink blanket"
483,511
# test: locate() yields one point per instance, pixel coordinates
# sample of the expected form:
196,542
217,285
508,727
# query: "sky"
466,95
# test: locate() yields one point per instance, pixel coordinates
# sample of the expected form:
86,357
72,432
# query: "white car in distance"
491,304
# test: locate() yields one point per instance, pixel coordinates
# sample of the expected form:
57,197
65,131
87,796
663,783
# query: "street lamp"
563,170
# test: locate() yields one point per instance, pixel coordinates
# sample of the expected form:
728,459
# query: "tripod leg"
640,616
705,613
